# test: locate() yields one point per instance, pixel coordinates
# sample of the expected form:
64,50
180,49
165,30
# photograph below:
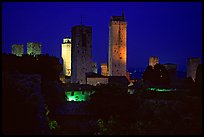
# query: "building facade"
33,48
192,64
81,57
17,49
66,56
153,61
117,54
104,69
97,80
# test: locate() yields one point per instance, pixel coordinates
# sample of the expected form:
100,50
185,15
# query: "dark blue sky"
170,30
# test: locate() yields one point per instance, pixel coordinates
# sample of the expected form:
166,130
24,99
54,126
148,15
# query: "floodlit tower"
66,56
117,55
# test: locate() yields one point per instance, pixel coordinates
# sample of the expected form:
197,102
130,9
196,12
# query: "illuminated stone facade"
81,58
17,49
33,48
117,46
66,56
104,69
94,67
192,64
94,81
153,61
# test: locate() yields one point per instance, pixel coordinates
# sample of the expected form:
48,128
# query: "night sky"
171,31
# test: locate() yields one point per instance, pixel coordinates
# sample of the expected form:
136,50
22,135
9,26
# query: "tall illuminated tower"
33,48
81,58
117,54
17,49
66,56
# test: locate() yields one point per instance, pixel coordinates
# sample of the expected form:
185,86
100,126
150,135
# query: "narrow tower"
81,58
66,56
117,54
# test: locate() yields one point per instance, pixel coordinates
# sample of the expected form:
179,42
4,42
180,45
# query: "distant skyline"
170,30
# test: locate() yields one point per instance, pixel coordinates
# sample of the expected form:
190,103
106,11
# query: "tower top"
118,18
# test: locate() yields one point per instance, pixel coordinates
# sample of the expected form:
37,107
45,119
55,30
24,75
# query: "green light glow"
78,95
53,124
47,111
151,89
161,89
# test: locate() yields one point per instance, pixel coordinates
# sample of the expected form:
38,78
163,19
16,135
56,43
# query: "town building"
81,57
66,56
117,55
104,69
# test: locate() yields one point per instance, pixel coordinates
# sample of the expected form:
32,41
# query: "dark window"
82,92
72,94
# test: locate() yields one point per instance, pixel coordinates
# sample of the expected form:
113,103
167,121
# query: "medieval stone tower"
81,58
117,54
66,56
